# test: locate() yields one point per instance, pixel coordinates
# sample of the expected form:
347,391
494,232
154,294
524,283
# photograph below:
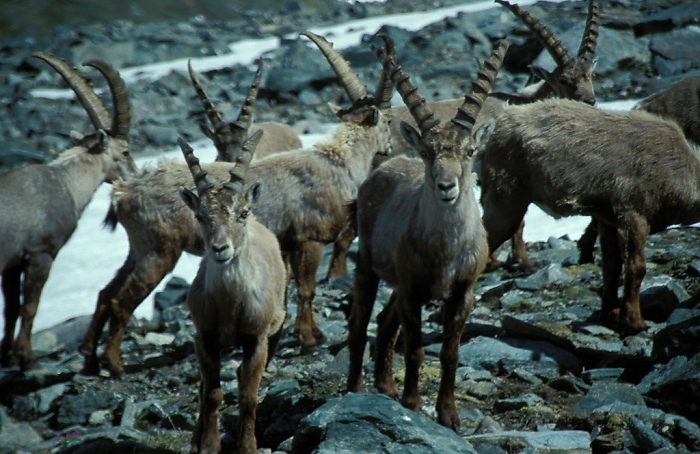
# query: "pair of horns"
237,173
467,112
119,124
553,45
355,90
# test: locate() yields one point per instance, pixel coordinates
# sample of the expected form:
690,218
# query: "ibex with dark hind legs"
237,298
307,191
160,227
420,231
633,172
571,79
680,102
41,203
229,136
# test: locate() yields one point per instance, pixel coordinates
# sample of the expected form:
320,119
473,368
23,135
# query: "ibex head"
111,139
365,108
573,77
228,137
446,149
222,212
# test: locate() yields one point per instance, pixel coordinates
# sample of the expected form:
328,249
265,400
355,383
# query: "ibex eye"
244,214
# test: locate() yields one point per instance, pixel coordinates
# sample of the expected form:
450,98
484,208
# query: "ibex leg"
35,275
387,333
586,244
254,359
633,231
338,266
103,310
11,289
612,269
138,285
519,253
456,310
305,260
365,291
205,438
408,305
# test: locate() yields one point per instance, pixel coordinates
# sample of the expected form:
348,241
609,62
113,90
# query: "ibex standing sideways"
633,172
237,297
41,203
420,231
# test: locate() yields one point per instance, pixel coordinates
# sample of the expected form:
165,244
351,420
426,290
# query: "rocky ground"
537,372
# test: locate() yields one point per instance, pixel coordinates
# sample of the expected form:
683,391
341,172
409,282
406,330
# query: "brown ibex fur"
680,102
633,172
306,192
571,79
236,298
41,203
420,231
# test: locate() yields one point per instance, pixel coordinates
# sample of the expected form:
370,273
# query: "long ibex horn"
348,79
242,162
590,34
245,116
215,117
467,112
86,95
199,175
121,104
409,93
385,88
553,45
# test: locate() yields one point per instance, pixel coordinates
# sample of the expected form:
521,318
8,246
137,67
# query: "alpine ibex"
158,224
229,136
633,172
41,203
679,102
306,193
420,231
237,298
571,79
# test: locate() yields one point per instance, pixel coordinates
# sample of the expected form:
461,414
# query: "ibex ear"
541,73
190,199
104,140
411,135
482,135
335,109
252,193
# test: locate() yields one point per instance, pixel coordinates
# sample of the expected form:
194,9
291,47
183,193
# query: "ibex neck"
81,175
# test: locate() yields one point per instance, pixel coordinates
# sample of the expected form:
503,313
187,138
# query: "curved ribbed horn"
121,104
242,162
409,93
348,79
86,95
553,45
245,116
215,117
590,34
385,88
199,175
467,112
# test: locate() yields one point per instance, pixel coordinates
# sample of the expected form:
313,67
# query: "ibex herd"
258,223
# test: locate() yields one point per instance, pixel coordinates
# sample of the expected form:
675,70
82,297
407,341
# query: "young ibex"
160,227
41,203
237,297
307,191
420,231
633,172
571,79
228,137
680,102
